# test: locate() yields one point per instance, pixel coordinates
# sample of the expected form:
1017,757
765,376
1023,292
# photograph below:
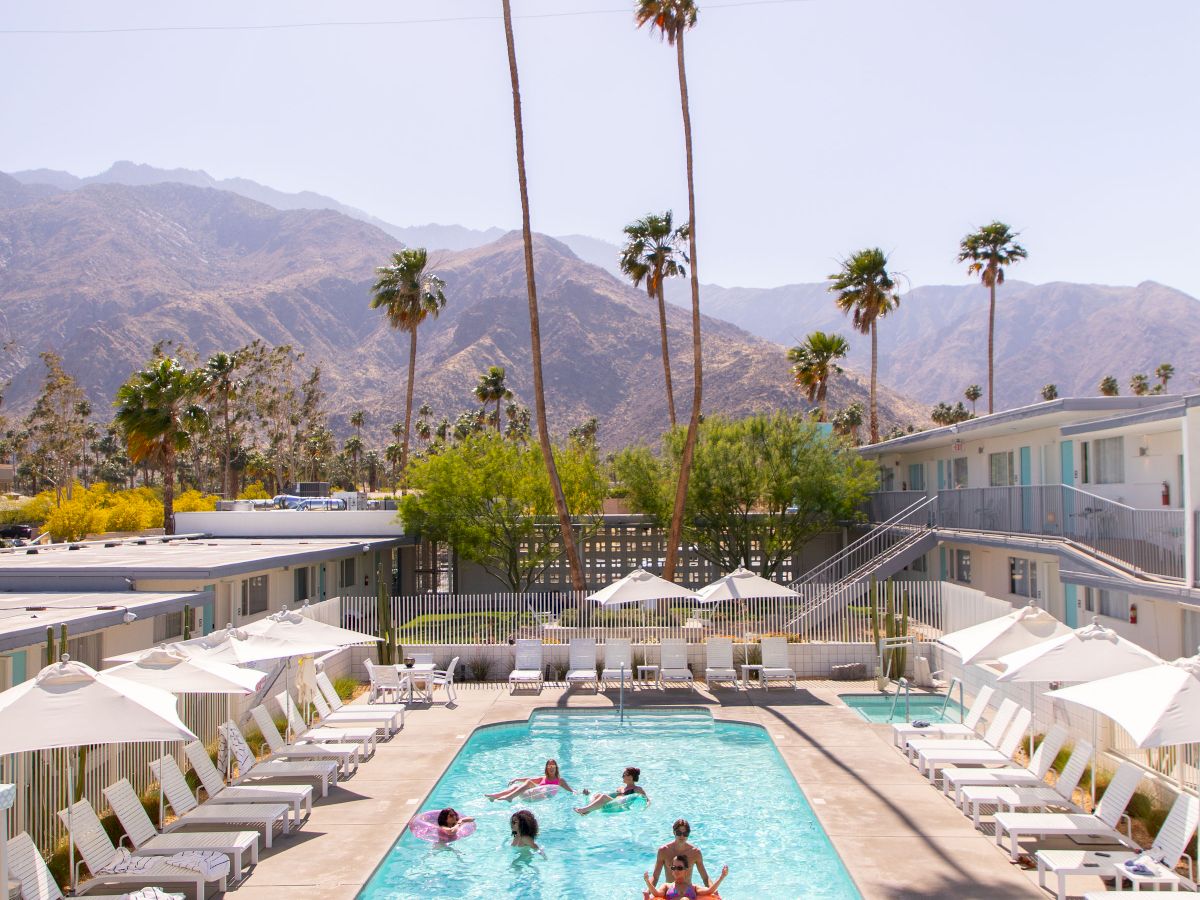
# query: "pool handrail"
902,684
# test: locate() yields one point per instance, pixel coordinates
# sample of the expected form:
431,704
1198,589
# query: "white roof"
25,615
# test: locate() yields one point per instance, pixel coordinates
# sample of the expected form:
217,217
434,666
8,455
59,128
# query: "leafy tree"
492,389
585,432
565,526
157,413
653,252
1109,386
408,295
973,393
814,362
989,250
865,289
254,491
762,487
518,421
671,19
57,427
491,500
1140,384
1164,373
219,384
1050,392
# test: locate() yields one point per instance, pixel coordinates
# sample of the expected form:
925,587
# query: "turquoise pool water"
727,779
877,708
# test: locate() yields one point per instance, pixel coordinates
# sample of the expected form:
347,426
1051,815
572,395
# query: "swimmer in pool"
680,888
519,786
524,827
449,821
630,788
680,847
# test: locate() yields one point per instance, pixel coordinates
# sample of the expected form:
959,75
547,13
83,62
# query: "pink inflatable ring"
541,792
425,828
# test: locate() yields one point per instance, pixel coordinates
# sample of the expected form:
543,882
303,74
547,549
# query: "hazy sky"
820,125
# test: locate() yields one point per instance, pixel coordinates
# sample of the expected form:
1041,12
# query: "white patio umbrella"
1085,654
69,704
742,584
639,586
990,640
292,625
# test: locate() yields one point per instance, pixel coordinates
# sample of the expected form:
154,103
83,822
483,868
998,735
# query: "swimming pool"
876,708
727,779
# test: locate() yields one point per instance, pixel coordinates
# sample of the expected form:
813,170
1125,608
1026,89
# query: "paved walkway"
897,836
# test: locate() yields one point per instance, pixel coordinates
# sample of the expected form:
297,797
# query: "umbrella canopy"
639,586
740,584
237,647
1158,706
295,626
990,640
174,670
1084,654
69,704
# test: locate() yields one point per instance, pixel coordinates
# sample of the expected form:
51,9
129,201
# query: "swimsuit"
625,791
689,893
549,780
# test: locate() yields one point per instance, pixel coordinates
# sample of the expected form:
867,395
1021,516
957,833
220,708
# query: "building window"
1001,471
1104,461
301,582
1191,631
961,560
916,477
958,472
347,573
920,564
255,596
1113,604
168,627
1022,577
887,478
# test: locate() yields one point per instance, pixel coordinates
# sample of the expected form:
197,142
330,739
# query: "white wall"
289,523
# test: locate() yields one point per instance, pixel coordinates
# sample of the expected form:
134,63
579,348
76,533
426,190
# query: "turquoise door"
942,561
1070,609
206,614
1067,464
941,474
1026,465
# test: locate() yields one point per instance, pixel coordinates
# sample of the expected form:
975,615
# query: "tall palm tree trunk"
408,398
666,353
225,478
689,442
823,400
498,401
169,492
535,333
874,375
991,342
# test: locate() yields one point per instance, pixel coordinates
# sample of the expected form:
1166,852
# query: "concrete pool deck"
897,836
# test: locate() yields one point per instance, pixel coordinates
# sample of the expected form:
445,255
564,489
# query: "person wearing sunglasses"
449,823
679,888
680,847
628,790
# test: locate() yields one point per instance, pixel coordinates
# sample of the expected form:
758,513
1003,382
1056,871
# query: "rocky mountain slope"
101,272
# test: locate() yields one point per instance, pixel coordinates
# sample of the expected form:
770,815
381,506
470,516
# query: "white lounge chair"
112,865
361,737
718,663
346,756
1040,796
581,662
240,846
445,678
385,682
1013,776
902,732
389,716
26,866
618,658
932,760
323,772
673,663
1109,812
991,738
1169,847
527,664
191,812
299,796
775,663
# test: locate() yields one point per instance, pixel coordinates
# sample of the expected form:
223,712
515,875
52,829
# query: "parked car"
16,531
323,503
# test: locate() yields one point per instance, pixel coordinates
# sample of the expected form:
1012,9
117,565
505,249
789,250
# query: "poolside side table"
642,672
747,668
1163,876
1101,863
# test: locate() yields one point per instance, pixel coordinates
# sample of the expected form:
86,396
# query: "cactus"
62,638
187,622
50,657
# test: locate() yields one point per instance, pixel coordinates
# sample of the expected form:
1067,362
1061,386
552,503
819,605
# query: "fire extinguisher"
1166,494
1132,613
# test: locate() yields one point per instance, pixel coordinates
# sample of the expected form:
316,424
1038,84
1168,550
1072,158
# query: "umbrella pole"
1095,757
162,751
70,823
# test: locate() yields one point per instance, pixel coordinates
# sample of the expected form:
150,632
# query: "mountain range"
100,272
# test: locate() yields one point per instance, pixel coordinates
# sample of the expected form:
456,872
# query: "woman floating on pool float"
537,788
622,797
682,888
443,827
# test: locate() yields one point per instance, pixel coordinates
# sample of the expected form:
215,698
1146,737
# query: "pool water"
727,779
877,708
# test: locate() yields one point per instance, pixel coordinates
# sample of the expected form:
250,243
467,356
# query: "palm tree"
989,250
1140,384
1109,386
973,393
158,416
566,529
1050,392
357,418
392,454
220,385
353,446
671,19
491,389
409,295
653,252
848,420
814,362
865,288
1164,373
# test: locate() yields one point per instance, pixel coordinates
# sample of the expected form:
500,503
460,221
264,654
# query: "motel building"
1084,507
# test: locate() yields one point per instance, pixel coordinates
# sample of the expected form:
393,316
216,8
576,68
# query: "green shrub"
346,687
